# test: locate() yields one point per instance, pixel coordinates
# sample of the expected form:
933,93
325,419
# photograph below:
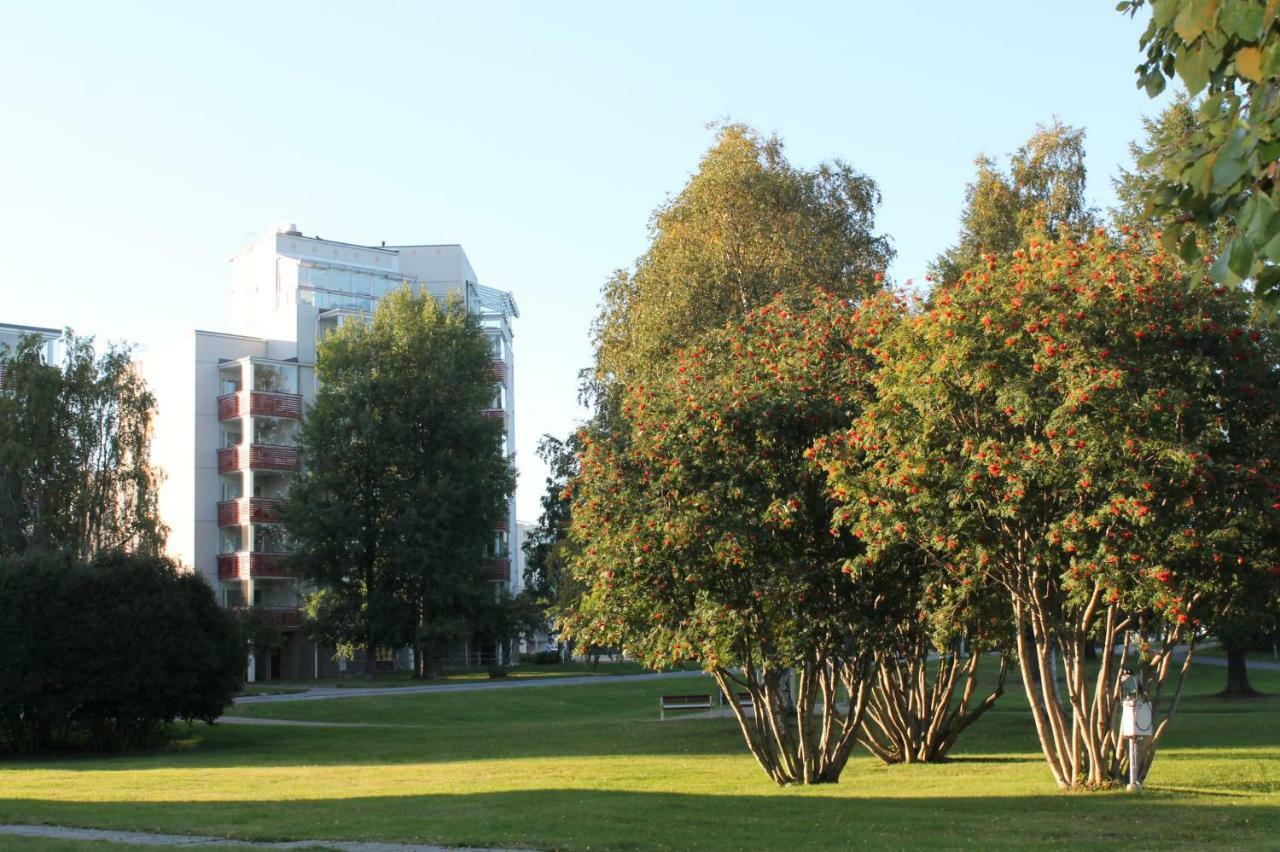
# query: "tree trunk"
914,718
1238,685
369,654
1077,720
795,747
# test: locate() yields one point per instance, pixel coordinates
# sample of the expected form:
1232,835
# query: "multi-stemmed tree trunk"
803,738
1077,717
912,713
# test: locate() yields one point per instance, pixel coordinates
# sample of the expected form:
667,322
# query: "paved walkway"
142,838
324,693
1250,662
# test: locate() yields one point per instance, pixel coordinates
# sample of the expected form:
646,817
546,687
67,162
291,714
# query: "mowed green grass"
590,767
393,680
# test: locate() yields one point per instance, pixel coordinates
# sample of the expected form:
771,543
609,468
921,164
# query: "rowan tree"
705,532
1092,432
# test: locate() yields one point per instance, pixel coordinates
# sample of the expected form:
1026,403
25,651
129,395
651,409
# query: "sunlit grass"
591,767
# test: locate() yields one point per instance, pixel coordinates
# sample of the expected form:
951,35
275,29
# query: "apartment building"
229,406
11,335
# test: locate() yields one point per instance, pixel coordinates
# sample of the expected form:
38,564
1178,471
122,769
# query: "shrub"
541,658
109,652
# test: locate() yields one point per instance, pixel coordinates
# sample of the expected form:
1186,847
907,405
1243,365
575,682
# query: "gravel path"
142,838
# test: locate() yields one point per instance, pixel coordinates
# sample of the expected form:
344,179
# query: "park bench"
744,700
684,702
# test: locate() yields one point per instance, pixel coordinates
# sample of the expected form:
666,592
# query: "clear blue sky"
142,143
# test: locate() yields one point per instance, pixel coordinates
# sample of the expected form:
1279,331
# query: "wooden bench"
744,700
684,702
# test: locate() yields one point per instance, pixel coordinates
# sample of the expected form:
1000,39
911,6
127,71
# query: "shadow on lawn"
811,819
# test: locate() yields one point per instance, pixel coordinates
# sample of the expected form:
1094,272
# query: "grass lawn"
392,680
589,767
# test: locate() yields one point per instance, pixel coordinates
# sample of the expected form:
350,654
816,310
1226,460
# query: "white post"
1134,783
252,677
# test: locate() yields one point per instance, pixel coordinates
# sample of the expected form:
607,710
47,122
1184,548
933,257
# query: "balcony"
497,570
254,510
285,618
282,617
259,404
257,457
495,413
500,371
254,566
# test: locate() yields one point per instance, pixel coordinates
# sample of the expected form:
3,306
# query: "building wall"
275,310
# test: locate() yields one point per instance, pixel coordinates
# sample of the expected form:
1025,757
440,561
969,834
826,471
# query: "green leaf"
1221,269
1242,19
1258,219
1271,251
1227,169
1240,256
1268,285
1189,251
1199,176
1164,11
1193,67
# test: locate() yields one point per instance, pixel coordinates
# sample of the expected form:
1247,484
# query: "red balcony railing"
229,406
495,413
502,522
259,404
284,617
257,457
255,510
497,570
245,566
500,371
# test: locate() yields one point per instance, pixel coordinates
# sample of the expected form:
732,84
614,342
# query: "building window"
231,487
270,538
275,431
275,378
232,596
229,539
499,548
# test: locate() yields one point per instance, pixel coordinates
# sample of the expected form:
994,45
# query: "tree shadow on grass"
785,818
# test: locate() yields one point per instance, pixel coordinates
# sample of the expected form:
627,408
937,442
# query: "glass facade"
331,286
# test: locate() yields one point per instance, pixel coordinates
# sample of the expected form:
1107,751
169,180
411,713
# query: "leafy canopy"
1080,410
1042,189
1224,170
75,469
404,478
747,226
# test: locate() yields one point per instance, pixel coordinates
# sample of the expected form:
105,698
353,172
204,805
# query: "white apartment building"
229,404
11,335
